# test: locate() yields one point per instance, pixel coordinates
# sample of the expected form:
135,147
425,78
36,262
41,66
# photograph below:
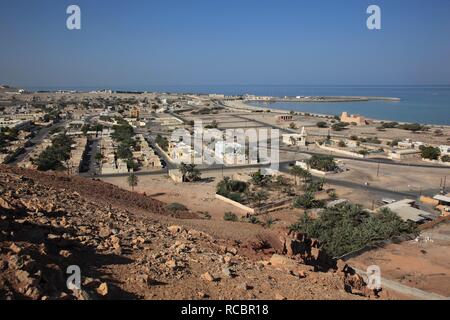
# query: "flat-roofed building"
408,211
354,118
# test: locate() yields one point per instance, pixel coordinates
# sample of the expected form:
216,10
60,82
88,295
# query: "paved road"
92,161
371,160
376,191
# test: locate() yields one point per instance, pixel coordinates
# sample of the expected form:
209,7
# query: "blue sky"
212,42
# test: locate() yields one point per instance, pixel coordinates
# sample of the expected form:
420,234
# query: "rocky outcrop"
48,225
296,246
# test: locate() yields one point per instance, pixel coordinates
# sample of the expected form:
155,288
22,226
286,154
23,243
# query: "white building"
293,139
14,124
445,150
230,153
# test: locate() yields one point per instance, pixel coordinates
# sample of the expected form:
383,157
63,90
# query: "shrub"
235,197
176,207
339,126
322,124
228,186
430,152
269,221
253,220
413,127
229,216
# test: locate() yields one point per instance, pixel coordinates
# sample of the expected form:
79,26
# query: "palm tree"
189,172
132,181
299,172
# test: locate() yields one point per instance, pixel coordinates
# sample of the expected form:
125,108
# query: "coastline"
244,105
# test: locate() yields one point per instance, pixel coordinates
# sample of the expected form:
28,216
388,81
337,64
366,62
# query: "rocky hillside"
50,221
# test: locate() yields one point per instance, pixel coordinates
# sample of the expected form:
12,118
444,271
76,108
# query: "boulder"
103,289
208,277
175,229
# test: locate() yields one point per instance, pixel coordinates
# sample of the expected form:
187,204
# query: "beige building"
135,112
295,139
285,118
359,120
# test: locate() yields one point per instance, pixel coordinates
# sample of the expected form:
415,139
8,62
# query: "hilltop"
50,221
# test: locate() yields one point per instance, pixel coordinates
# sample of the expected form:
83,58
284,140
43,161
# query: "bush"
413,127
176,207
322,124
431,153
229,216
389,125
339,126
231,188
235,197
347,227
253,220
445,158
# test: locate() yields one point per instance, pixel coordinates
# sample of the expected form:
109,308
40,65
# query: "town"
236,170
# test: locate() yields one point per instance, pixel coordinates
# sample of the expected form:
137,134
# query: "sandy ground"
392,177
424,265
198,197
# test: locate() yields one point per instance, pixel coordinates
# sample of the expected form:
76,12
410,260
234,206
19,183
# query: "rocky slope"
49,222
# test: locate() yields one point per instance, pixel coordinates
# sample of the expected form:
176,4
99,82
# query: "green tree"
98,156
162,142
258,179
307,201
124,152
300,173
190,172
322,163
430,152
132,181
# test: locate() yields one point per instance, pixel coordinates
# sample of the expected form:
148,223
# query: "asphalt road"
377,192
373,160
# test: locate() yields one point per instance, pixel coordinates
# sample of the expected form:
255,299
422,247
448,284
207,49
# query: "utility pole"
444,184
378,169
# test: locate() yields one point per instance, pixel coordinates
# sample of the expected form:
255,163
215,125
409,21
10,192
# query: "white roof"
406,212
442,198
